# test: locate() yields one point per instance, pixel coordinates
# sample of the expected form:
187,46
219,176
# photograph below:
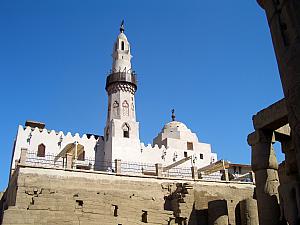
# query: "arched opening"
126,130
125,106
41,150
116,109
122,45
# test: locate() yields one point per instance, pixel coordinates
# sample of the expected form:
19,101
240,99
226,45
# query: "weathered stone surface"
217,212
272,117
248,211
284,23
289,191
65,197
263,154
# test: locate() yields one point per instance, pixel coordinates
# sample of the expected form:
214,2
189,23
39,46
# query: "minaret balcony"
122,77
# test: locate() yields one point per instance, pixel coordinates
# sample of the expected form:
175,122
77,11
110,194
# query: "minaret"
121,133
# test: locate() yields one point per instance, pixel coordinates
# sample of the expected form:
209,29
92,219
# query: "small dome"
175,124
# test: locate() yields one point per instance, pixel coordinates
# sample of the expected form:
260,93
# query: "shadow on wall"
198,217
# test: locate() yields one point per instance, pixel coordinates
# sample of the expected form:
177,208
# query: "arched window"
122,45
116,109
126,130
41,150
125,106
81,157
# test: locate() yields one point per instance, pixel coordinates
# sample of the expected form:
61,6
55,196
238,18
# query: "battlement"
152,148
44,131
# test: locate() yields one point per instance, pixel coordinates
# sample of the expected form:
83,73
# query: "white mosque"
174,146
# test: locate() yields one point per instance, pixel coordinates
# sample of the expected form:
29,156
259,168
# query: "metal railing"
138,168
123,167
179,173
46,161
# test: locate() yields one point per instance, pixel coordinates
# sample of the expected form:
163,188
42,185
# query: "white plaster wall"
118,147
51,139
121,58
154,155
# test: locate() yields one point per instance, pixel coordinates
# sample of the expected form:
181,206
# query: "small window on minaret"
41,150
122,45
125,106
126,131
116,109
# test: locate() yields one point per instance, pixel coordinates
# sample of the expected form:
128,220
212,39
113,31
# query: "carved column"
248,211
289,189
265,166
284,22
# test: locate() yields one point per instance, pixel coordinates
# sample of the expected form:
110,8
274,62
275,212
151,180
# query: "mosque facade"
175,145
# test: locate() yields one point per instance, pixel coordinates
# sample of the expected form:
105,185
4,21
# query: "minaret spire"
173,115
122,29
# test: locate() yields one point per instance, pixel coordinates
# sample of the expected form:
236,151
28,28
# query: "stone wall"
49,196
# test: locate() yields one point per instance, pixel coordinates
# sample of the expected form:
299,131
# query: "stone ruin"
277,186
69,197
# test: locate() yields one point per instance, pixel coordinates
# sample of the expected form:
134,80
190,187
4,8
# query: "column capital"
260,136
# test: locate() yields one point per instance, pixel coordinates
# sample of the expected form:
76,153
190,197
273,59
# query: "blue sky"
211,61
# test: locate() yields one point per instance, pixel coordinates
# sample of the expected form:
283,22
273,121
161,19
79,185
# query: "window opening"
201,156
185,154
41,150
189,145
126,131
116,109
115,210
144,216
122,45
125,106
79,203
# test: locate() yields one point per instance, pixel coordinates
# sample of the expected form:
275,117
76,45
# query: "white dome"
175,124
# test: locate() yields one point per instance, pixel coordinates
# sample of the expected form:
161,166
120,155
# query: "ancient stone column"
289,189
249,214
265,166
284,22
217,212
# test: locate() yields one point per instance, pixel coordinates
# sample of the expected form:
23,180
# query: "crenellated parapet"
150,147
45,132
44,142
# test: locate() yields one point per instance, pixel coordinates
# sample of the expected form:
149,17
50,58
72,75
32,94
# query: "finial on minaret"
173,115
122,27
